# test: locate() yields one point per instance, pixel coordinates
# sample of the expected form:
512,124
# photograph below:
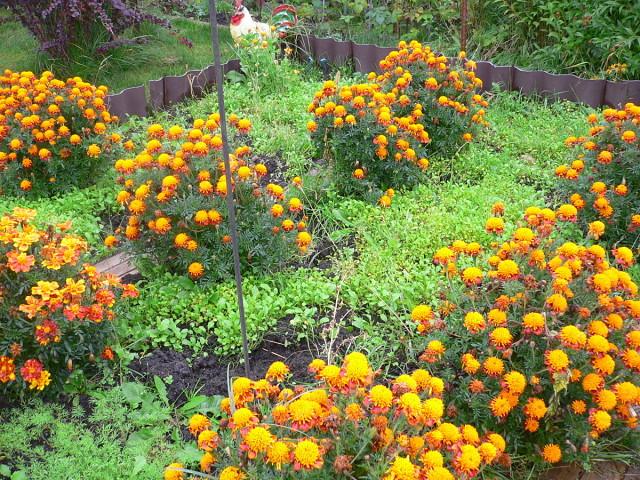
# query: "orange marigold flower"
551,453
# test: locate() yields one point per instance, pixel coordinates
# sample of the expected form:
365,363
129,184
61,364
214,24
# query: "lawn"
163,53
369,289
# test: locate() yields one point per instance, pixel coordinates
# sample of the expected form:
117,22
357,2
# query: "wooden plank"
118,265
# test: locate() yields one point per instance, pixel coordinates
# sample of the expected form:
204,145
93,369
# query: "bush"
177,209
54,134
603,180
55,314
541,341
63,25
341,426
379,134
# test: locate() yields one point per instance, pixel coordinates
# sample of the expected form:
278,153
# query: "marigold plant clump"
603,179
54,134
54,311
380,134
344,425
174,191
540,338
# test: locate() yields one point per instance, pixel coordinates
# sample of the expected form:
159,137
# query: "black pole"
233,226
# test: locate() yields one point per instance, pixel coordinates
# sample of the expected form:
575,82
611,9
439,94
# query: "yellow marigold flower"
627,392
497,317
567,213
258,440
474,322
494,225
488,452
243,417
597,344
307,455
401,469
600,420
551,453
533,323
515,382
174,472
198,423
572,337
472,276
278,454
208,440
556,360
557,303
439,473
604,365
277,371
196,270
470,364
232,473
508,270
422,379
433,409
468,460
606,399
493,366
501,338
207,461
380,398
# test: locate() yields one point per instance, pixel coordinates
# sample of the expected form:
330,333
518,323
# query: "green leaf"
162,389
5,471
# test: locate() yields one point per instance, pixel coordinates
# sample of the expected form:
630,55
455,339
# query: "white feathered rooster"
283,17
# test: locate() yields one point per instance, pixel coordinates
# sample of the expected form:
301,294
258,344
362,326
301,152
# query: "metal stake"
233,226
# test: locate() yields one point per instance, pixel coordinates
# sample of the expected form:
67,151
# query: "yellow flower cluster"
548,329
599,182
344,423
174,191
49,126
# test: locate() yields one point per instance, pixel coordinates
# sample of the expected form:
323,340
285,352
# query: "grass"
121,438
126,66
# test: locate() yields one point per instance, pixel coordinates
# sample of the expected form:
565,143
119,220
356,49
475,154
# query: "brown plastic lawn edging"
169,90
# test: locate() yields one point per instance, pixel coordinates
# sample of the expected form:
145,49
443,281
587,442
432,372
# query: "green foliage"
126,435
174,312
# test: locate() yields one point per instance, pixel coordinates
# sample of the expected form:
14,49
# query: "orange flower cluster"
545,330
342,424
40,330
601,181
379,132
50,127
176,202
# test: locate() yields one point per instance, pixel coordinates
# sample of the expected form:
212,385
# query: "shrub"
379,134
177,209
342,425
55,313
540,341
62,25
603,180
54,134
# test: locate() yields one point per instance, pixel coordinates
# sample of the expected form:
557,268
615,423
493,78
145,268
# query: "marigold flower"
500,406
501,338
232,473
556,360
208,440
380,399
277,371
278,454
307,455
495,225
198,423
196,270
551,453
174,472
493,366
